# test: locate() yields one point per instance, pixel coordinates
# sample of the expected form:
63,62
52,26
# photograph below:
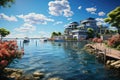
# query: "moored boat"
26,39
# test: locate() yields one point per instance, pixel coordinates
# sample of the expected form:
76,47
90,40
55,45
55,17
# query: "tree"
59,33
54,34
3,32
90,33
114,18
6,3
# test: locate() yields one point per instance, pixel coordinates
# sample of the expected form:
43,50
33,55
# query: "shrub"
114,41
98,40
8,51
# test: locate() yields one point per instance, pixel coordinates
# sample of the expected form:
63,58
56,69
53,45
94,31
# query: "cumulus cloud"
100,21
79,7
101,13
16,35
60,7
91,10
58,22
26,28
33,18
8,18
69,19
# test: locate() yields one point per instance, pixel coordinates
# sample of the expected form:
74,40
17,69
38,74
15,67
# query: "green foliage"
118,47
6,3
114,18
90,33
3,32
56,34
59,33
75,38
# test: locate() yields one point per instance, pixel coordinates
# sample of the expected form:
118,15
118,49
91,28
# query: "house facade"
79,31
68,30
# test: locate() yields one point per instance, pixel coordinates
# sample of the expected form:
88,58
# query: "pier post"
104,55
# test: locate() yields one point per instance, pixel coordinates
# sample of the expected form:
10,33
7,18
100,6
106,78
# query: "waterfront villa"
89,23
79,31
68,30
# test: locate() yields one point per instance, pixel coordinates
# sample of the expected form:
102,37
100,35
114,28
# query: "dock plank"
109,51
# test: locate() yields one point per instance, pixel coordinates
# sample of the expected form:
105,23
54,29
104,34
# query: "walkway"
109,51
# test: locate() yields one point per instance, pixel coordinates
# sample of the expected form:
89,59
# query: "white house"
79,32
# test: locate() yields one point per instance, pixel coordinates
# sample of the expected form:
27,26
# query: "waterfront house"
68,30
79,32
90,23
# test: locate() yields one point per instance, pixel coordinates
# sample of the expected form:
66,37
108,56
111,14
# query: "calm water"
66,60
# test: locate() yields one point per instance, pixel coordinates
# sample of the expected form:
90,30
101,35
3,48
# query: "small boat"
58,40
26,39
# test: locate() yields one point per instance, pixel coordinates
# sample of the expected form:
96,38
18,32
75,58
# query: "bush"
98,40
8,51
114,41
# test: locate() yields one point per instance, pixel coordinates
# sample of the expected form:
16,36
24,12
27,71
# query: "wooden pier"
106,51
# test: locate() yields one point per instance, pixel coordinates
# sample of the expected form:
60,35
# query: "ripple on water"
66,60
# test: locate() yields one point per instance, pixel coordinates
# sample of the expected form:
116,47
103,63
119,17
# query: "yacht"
26,39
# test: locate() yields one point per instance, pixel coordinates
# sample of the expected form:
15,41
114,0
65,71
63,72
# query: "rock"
108,62
55,78
115,63
15,75
38,74
112,61
36,78
13,70
117,66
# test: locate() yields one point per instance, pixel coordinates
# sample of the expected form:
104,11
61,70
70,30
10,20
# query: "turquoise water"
66,60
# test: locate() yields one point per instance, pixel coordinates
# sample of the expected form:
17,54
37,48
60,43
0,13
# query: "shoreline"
109,56
18,74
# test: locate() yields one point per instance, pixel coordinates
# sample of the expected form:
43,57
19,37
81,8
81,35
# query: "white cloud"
91,10
8,18
33,18
58,22
60,7
26,28
79,7
69,19
100,21
101,13
16,35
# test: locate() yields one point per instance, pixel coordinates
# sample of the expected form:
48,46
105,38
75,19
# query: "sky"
39,18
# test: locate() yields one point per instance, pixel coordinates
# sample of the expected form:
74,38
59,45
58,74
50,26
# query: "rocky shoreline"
109,62
18,74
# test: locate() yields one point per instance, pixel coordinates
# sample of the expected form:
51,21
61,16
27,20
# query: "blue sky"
38,18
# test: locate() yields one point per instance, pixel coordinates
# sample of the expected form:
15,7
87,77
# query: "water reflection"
66,60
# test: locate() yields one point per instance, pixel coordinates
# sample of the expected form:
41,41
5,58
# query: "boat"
26,39
58,40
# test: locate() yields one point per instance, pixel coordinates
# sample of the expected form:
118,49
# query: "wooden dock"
106,50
